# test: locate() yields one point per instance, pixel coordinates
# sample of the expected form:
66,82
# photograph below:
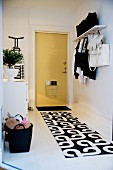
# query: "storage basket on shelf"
19,139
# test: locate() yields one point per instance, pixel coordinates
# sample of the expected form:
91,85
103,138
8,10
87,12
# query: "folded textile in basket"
12,122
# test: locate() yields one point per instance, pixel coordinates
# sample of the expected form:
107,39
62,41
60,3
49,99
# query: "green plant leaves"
11,57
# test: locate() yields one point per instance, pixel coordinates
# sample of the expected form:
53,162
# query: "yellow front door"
51,69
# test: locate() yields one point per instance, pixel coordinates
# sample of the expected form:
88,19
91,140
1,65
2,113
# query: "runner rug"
75,138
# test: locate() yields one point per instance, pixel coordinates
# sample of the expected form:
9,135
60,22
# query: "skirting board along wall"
93,118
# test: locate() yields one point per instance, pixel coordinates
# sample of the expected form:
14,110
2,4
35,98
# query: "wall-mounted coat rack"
93,30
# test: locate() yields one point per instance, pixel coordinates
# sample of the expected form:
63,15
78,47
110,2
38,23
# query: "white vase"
10,73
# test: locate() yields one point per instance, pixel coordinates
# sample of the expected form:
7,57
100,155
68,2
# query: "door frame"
70,78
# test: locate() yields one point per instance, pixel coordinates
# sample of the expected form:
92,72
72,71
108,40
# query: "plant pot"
10,73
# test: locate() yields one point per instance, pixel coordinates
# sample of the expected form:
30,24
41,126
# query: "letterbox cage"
51,87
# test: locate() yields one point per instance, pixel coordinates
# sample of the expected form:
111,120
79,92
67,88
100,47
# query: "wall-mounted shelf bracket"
93,30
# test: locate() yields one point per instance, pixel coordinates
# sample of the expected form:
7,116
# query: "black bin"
19,139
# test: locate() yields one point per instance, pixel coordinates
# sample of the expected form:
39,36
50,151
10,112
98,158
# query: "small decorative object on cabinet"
10,73
10,58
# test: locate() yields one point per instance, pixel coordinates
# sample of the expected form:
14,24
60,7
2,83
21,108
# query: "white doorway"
70,77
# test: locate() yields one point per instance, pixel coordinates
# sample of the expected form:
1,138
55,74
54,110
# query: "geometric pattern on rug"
75,138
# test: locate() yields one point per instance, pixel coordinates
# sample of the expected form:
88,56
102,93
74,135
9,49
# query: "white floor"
45,154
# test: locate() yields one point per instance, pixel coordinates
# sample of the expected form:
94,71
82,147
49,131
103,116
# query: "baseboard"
89,114
9,167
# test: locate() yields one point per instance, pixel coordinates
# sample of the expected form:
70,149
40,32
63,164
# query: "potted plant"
10,58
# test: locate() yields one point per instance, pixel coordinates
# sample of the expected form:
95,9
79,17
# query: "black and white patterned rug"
75,138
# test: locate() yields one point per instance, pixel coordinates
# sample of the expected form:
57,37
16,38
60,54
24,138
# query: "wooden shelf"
93,30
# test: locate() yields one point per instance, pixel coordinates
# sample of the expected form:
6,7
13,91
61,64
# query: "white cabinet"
15,98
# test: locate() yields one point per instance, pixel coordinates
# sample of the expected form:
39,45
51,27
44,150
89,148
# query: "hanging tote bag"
94,42
98,52
103,55
99,57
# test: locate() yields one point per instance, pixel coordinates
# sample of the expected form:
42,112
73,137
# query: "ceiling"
69,5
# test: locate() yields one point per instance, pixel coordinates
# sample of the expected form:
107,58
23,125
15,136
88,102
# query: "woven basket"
19,139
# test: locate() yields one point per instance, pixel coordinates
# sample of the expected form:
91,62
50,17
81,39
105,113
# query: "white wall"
19,17
99,93
15,23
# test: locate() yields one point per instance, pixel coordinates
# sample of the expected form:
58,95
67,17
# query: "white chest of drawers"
15,98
